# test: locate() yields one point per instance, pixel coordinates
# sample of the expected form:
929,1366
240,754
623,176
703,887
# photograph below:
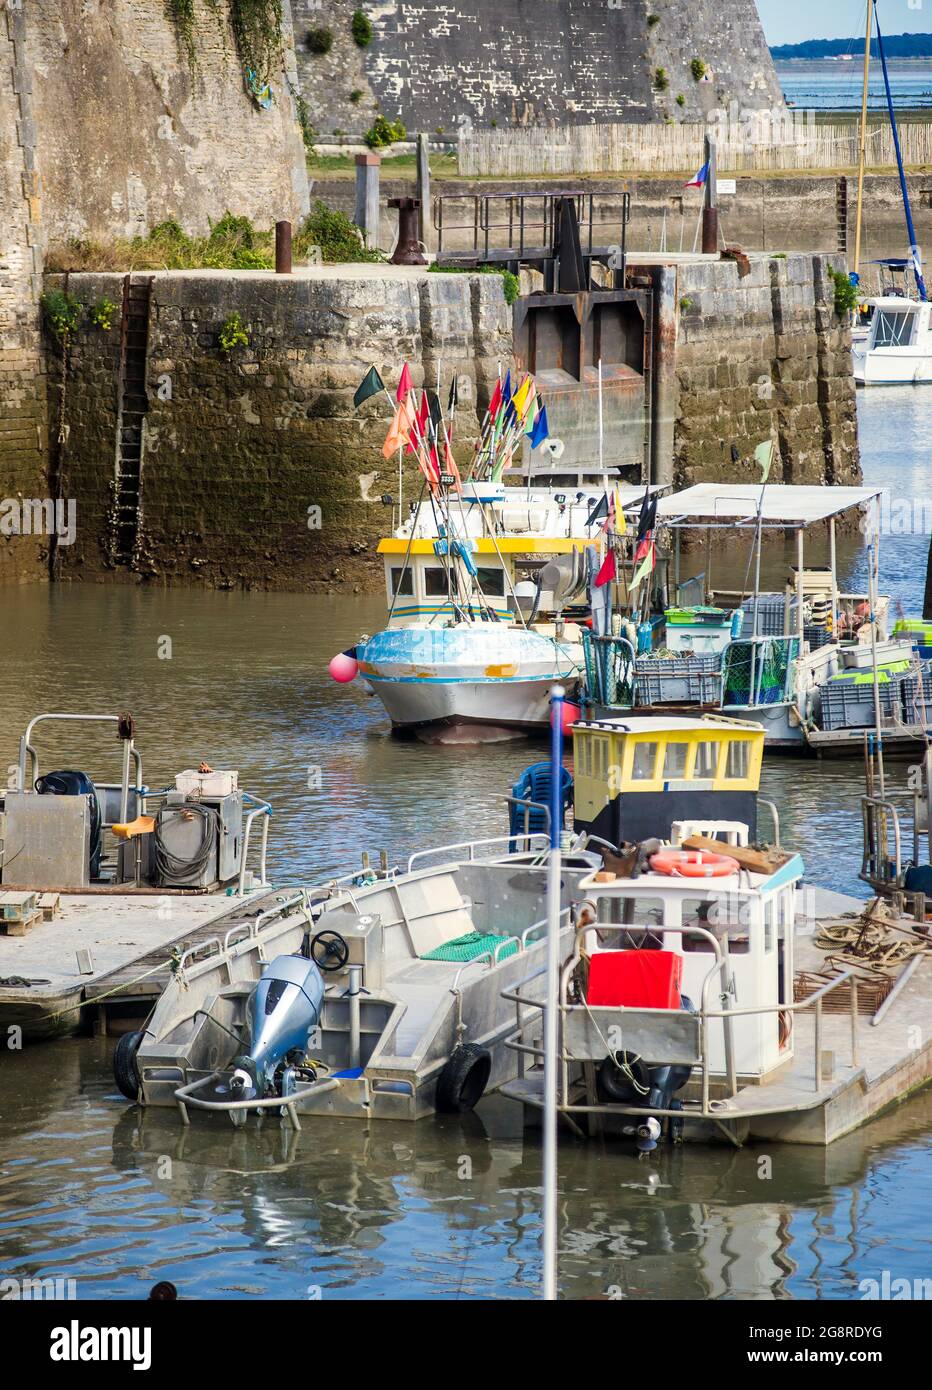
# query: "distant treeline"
895,46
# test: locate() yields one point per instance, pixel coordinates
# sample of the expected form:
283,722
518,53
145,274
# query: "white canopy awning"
736,504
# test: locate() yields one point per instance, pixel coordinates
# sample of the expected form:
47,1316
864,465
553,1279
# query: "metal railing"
708,1109
473,845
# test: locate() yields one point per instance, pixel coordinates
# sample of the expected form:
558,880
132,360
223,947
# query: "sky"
791,21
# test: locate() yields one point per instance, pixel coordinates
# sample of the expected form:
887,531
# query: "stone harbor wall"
132,129
23,554
438,64
257,470
762,356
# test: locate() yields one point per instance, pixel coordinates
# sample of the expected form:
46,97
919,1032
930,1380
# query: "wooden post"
423,188
710,207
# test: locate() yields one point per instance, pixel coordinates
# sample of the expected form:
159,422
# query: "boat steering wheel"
329,951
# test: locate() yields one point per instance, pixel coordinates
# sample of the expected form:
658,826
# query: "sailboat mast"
911,230
862,152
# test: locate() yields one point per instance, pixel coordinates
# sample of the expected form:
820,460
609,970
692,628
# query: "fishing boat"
892,344
485,583
376,996
706,995
818,668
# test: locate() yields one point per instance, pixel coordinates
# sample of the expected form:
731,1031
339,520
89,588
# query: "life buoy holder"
693,863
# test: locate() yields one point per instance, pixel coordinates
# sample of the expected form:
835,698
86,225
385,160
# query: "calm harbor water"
90,1190
826,85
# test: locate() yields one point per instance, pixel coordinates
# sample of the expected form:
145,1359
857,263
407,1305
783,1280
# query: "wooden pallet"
20,926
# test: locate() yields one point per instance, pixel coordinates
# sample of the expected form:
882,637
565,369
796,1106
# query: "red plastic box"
635,979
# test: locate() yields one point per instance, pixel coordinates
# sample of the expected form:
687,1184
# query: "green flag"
764,456
370,385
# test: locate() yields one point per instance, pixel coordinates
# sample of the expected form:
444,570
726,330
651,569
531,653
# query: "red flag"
608,570
643,546
421,417
405,384
496,400
609,522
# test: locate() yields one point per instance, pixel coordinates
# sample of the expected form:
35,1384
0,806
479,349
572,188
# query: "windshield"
892,328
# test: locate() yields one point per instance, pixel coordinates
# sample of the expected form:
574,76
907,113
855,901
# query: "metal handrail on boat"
473,845
708,1109
130,751
185,1097
265,810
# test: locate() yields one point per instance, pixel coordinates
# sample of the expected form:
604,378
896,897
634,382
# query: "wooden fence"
789,144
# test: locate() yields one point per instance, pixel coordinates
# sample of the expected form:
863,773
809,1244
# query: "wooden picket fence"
674,149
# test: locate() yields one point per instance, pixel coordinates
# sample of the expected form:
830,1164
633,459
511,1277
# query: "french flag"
699,180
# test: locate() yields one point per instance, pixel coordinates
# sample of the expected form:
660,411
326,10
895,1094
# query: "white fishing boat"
485,582
897,350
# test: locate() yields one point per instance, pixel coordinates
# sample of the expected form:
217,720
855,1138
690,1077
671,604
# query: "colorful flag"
519,398
608,569
764,456
645,568
449,463
621,521
541,430
598,511
370,385
646,524
496,401
398,430
699,180
609,522
405,383
453,398
419,424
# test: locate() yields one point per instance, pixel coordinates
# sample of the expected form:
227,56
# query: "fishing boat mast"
910,228
863,143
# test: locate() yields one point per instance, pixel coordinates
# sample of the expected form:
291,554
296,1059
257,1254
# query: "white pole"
602,436
551,1011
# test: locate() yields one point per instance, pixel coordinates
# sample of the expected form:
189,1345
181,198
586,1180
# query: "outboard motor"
625,1079
283,1011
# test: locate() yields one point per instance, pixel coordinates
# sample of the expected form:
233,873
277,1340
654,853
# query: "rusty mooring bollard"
282,248
408,248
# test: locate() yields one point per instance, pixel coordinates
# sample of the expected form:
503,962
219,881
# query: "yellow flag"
519,399
621,522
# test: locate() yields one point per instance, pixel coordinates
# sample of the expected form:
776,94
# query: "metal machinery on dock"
96,872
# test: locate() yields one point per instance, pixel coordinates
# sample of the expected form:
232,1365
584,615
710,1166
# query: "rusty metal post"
407,248
282,248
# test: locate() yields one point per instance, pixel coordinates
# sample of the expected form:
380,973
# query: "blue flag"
541,430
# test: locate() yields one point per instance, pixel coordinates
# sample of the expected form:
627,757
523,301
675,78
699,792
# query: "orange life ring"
693,863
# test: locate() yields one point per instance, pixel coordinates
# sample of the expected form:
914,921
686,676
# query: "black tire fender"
614,1087
125,1071
463,1079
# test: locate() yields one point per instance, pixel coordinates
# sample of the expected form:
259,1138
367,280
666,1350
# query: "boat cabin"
635,777
898,323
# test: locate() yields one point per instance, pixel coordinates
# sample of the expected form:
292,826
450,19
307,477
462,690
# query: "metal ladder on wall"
133,405
841,212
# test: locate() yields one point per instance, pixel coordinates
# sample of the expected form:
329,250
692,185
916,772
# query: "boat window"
727,915
600,758
893,329
492,582
645,760
706,760
435,582
402,581
736,764
674,763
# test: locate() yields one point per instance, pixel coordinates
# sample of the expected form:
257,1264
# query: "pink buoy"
571,715
343,667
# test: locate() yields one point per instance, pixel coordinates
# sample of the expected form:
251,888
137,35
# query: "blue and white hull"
472,673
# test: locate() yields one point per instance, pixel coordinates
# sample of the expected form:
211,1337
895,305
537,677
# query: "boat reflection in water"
345,1209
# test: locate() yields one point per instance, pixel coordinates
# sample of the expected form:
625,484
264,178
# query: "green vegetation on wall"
846,294
61,312
362,29
256,26
384,132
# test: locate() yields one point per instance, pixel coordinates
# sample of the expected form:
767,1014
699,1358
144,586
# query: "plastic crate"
770,615
848,704
663,686
916,695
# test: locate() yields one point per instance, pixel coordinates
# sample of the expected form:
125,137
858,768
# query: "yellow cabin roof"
506,545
